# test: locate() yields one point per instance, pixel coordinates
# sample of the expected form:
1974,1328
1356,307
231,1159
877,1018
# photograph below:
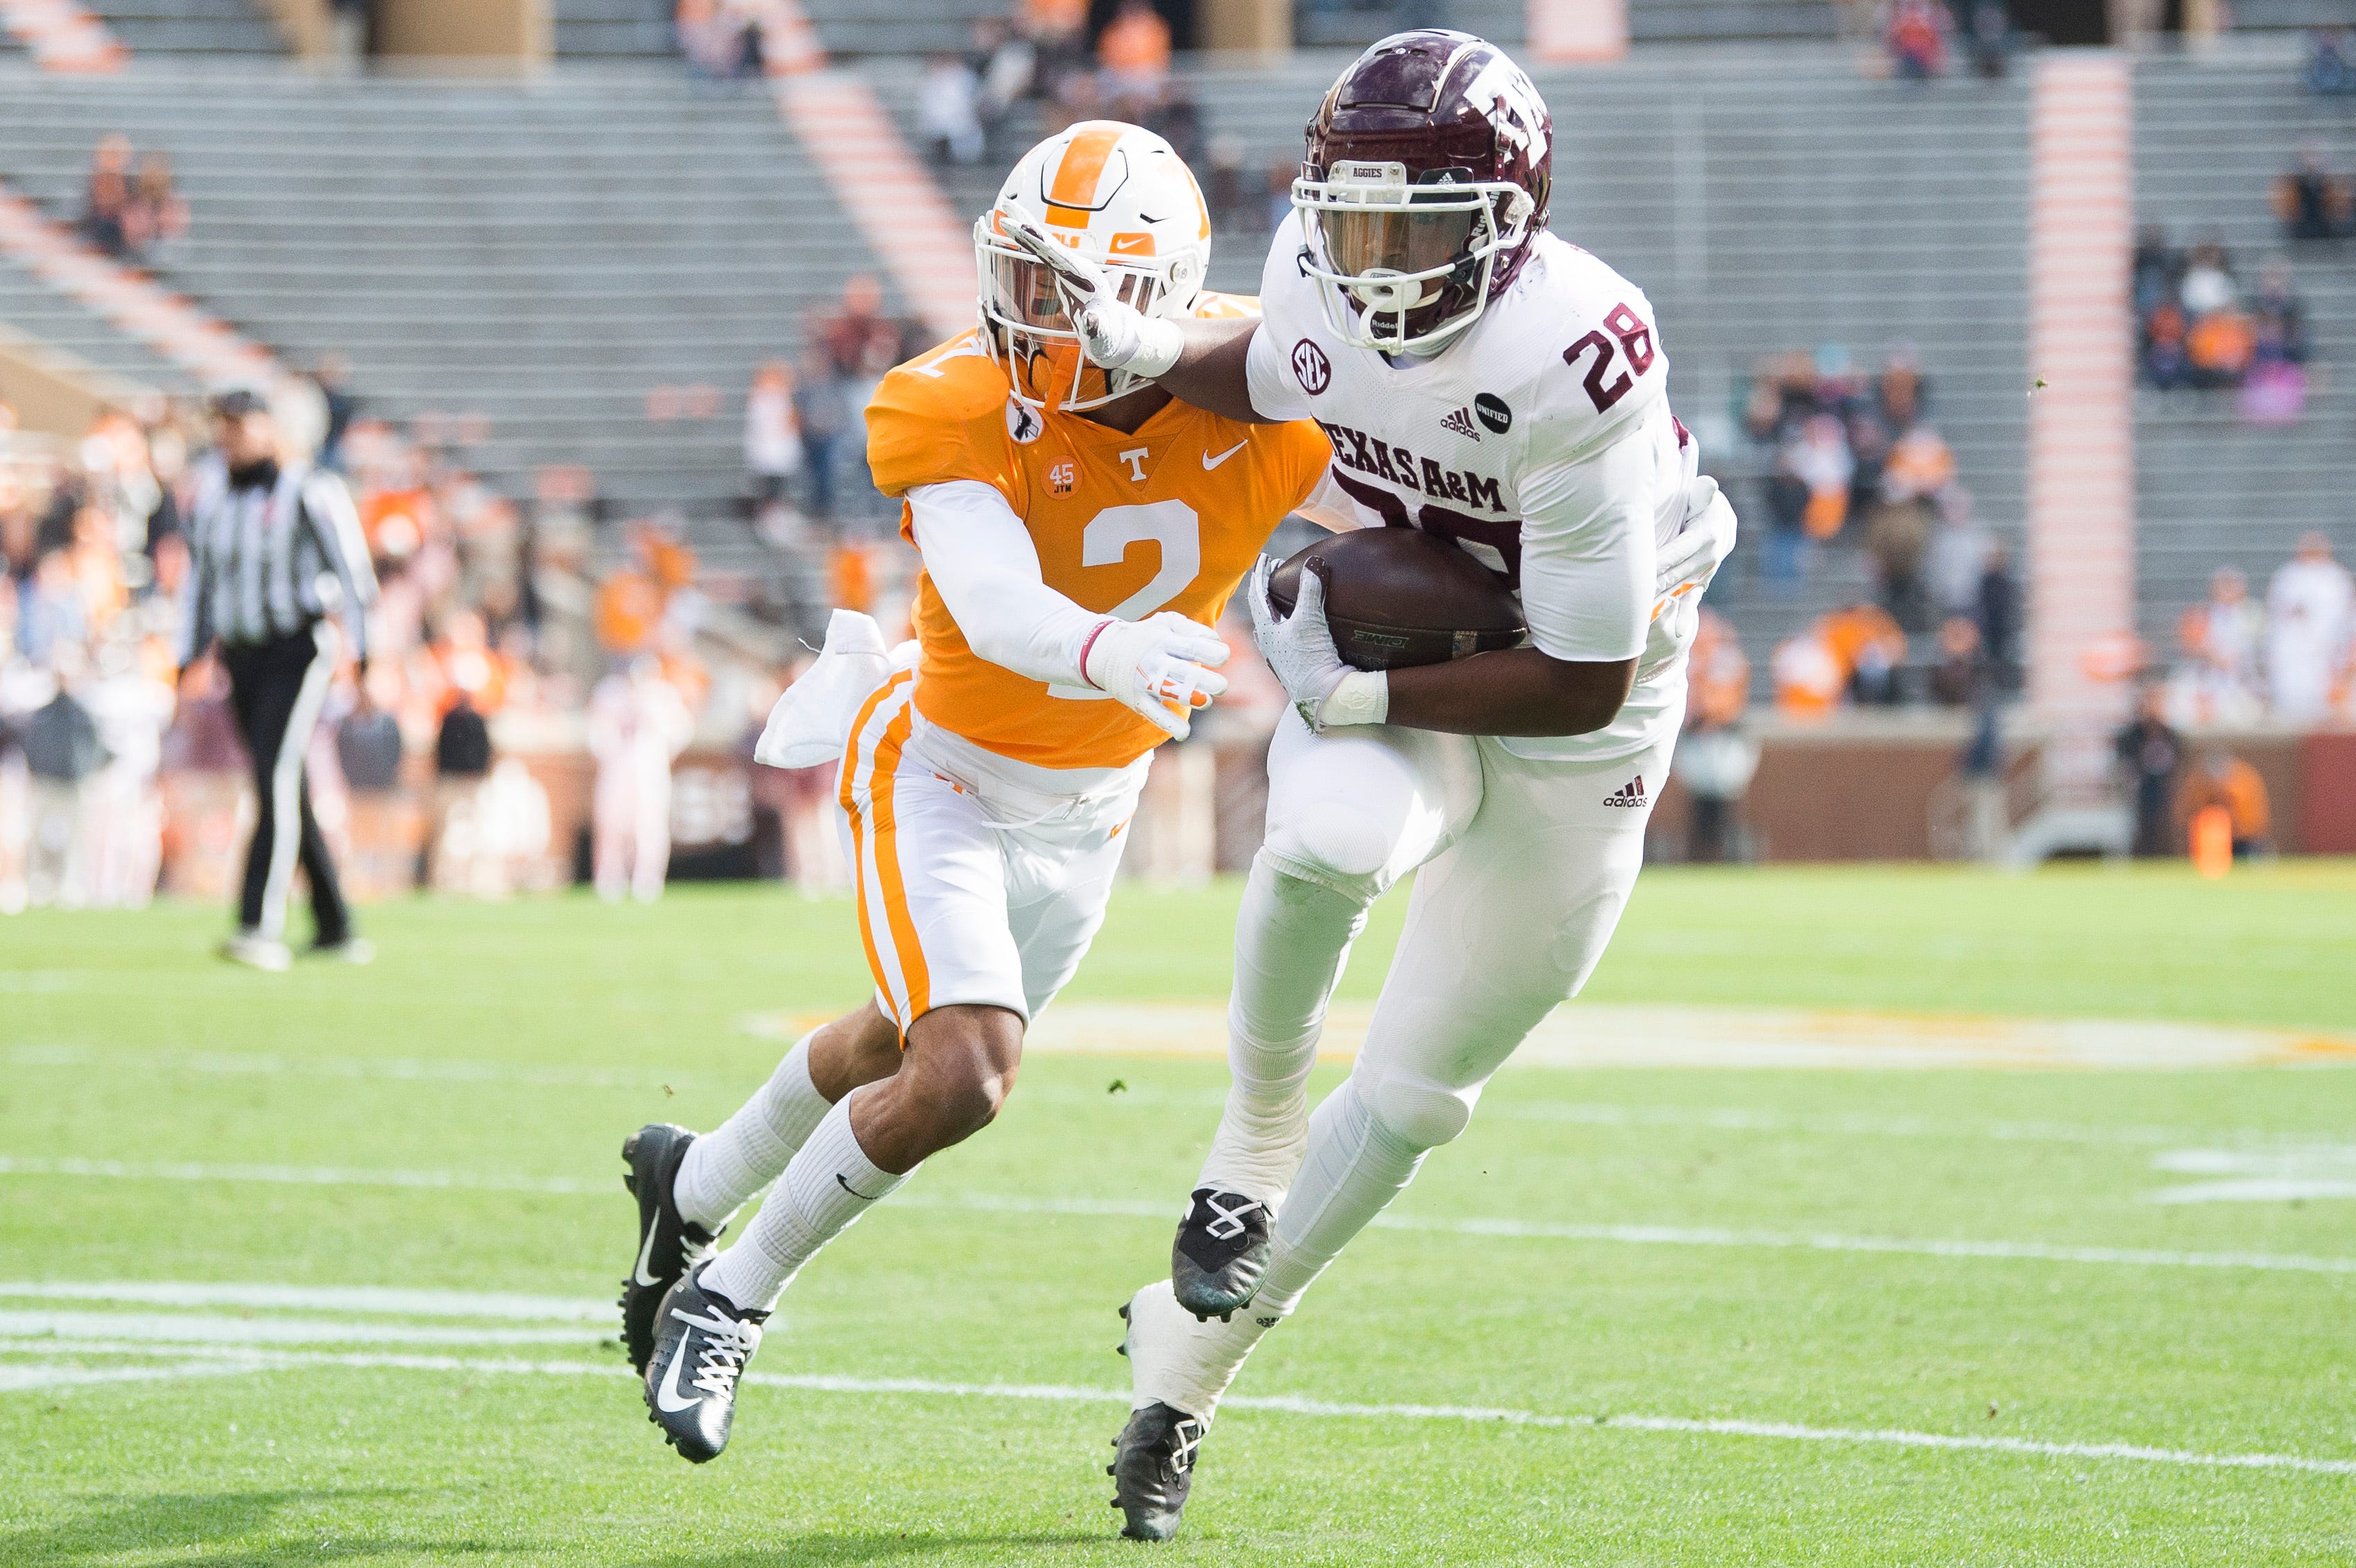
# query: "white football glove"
1701,543
1161,669
1114,335
1299,647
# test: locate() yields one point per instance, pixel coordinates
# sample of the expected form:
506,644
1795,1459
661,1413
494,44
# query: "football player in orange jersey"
1081,531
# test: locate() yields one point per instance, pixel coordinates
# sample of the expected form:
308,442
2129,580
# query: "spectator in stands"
2310,203
1916,38
1006,63
2310,616
2220,348
1134,52
1714,759
2232,627
1957,679
1998,617
2208,286
821,411
332,375
1818,455
1992,40
637,726
2150,755
1898,539
773,444
105,219
1959,549
2329,73
2156,268
50,613
2279,315
2274,389
1057,32
2223,781
462,761
948,111
155,221
855,325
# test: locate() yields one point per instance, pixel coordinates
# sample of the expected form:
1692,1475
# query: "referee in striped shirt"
277,550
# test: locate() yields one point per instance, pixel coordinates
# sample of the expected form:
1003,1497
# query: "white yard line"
1531,1230
1285,1404
301,1175
179,1330
389,1301
1496,1107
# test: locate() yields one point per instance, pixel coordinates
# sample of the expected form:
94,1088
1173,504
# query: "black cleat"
1220,1253
702,1343
667,1245
1153,1468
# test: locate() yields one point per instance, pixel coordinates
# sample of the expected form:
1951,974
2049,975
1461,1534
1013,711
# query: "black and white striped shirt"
272,559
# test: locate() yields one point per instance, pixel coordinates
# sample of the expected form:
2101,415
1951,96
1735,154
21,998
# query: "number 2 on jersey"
1635,342
1172,524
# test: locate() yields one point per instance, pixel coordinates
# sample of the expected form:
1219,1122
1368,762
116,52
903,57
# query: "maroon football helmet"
1428,167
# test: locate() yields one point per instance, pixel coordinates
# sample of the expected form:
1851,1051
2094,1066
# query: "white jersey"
1540,440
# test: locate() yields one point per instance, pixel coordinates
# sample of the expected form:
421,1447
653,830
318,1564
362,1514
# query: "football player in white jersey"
1489,383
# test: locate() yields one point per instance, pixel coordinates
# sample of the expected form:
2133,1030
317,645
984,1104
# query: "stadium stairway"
32,306
547,257
2211,137
1706,177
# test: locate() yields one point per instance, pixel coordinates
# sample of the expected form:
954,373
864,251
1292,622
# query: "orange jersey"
1168,518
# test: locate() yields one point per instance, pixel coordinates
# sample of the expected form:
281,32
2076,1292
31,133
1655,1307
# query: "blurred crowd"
1922,38
118,772
2200,325
1042,53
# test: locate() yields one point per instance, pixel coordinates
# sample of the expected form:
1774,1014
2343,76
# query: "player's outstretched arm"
1200,362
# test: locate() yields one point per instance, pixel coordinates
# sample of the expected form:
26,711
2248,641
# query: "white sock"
1293,937
829,1183
1175,1360
1355,1166
749,1150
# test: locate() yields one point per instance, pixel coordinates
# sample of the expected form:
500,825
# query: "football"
1400,597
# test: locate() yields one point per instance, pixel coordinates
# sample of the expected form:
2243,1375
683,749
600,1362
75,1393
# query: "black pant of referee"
275,550
276,688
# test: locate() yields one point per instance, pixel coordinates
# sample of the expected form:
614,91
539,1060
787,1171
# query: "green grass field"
1835,1267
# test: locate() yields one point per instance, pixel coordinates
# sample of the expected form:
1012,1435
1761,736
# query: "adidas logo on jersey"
1461,422
1630,794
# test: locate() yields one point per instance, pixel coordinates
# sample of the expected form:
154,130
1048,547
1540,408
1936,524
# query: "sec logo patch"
1063,478
1023,422
1311,368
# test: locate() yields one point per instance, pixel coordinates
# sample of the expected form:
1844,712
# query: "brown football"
1400,597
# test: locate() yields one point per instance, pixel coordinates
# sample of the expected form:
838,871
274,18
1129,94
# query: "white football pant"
973,886
1522,869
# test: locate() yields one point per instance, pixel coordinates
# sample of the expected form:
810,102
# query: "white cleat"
258,952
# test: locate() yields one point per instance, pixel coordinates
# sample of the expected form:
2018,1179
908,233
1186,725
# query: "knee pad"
1338,845
1423,1115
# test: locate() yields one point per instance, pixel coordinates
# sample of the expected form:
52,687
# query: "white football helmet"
1121,196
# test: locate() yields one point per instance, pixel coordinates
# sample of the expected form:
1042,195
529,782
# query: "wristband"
1088,646
1364,697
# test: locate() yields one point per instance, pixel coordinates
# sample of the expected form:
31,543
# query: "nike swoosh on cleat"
1210,461
666,1391
645,1253
852,1191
